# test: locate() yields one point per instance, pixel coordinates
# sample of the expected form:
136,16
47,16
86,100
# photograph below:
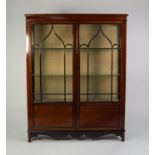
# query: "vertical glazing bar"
87,75
33,63
74,76
118,77
64,76
119,58
33,75
111,72
77,44
40,74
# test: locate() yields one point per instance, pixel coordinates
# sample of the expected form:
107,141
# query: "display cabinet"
76,74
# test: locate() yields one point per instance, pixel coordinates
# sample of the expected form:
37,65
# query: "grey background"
137,78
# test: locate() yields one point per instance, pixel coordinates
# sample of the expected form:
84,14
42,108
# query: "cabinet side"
29,75
123,75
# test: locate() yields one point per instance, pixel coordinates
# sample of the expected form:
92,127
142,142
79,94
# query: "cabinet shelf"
49,101
100,48
73,48
49,48
80,94
49,75
53,94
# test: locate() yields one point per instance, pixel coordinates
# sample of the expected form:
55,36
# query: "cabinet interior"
99,48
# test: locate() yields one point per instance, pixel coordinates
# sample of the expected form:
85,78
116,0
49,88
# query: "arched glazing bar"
40,47
112,47
118,47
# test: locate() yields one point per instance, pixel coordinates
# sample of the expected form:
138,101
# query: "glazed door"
52,75
100,47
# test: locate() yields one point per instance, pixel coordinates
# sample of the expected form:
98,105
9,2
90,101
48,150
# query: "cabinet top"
76,16
89,14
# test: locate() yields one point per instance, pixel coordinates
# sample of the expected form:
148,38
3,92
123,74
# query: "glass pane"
100,98
53,98
52,63
99,84
99,62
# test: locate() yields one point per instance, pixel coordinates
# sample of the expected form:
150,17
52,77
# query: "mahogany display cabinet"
76,71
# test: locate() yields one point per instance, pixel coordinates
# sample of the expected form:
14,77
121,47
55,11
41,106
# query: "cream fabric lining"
99,62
